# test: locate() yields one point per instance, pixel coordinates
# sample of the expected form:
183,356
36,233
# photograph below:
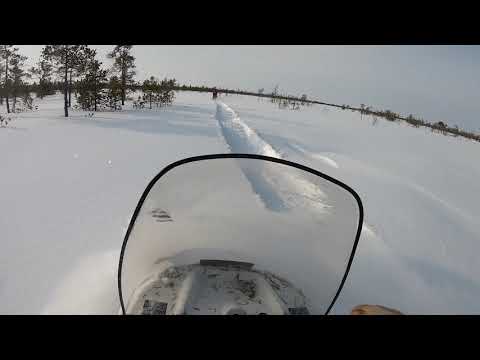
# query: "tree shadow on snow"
12,128
189,108
183,120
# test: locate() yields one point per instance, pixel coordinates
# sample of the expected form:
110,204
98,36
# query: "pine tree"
16,76
75,73
2,69
167,94
160,93
91,88
43,72
124,63
275,94
304,98
13,73
6,52
114,93
67,58
150,88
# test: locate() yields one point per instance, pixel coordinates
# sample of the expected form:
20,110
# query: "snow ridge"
239,136
278,189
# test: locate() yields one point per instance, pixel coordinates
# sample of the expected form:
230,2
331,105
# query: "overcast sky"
433,82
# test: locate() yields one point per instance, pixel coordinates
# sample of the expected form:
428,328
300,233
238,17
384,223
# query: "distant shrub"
4,121
390,115
139,103
159,93
26,103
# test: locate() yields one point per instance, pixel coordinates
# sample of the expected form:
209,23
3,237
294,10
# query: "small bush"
4,121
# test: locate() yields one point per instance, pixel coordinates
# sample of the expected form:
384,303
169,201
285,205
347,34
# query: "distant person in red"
215,93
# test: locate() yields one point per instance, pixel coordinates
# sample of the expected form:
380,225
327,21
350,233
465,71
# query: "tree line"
75,69
284,101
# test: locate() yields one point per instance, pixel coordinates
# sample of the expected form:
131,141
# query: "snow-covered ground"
68,188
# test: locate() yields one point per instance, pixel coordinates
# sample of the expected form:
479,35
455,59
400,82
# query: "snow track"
239,136
277,188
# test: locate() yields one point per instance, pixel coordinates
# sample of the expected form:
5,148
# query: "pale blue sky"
433,82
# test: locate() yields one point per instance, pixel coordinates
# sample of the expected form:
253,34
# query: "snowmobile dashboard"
217,287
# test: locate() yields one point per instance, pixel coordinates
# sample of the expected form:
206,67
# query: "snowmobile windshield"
281,217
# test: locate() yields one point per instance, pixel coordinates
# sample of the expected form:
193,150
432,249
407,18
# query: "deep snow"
420,192
68,188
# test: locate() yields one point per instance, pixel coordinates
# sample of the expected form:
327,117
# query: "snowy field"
68,188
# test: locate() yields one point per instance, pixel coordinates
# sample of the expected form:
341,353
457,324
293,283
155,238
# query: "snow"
420,193
61,201
68,188
239,136
271,182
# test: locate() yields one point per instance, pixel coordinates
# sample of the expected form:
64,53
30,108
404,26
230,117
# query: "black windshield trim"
243,156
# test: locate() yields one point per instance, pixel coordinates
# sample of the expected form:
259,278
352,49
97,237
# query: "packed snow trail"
280,190
239,136
275,193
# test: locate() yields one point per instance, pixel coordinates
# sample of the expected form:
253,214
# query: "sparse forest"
77,70
15,91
